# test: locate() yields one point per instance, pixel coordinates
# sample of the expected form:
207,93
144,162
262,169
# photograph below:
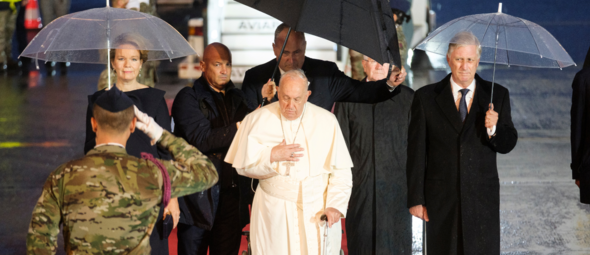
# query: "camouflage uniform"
108,200
8,15
53,9
403,45
356,65
147,74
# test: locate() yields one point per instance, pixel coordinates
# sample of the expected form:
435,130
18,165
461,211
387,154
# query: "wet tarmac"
42,126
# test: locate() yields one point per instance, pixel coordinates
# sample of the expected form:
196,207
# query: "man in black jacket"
327,83
580,136
207,115
453,139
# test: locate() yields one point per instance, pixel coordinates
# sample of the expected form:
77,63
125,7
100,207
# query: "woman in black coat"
126,61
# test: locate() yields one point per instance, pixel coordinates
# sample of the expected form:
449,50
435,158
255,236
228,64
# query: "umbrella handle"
390,71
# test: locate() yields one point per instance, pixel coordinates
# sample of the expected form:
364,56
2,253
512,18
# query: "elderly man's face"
463,62
374,70
294,53
293,95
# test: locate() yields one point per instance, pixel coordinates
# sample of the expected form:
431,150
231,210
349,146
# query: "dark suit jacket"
327,84
580,132
451,167
199,121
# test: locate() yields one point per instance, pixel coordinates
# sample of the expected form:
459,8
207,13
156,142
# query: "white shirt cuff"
491,131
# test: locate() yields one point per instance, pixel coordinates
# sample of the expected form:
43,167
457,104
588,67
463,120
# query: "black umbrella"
365,26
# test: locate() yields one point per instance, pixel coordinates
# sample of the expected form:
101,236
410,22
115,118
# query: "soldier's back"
109,202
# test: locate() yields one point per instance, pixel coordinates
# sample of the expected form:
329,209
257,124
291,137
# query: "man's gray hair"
464,38
284,26
295,73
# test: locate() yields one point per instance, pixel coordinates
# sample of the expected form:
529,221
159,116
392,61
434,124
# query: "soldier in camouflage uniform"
108,201
147,75
8,13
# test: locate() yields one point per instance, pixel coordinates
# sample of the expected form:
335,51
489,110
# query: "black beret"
114,100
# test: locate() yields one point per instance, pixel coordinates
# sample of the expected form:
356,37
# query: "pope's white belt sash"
286,188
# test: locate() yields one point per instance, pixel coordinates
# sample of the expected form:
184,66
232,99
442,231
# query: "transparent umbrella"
87,36
504,39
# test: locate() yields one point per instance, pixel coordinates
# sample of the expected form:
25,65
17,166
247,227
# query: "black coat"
150,101
378,221
327,84
580,132
451,167
198,120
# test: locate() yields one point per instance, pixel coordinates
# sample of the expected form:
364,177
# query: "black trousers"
158,243
223,238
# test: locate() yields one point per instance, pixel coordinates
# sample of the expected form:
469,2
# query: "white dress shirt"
468,99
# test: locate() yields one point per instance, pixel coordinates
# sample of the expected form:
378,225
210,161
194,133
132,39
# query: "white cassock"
291,197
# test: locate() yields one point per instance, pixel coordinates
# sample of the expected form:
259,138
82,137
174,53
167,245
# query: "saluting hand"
284,152
148,125
491,117
269,90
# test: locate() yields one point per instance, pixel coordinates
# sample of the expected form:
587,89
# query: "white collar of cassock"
455,87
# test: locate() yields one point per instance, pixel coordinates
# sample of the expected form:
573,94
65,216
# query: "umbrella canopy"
365,26
84,37
518,41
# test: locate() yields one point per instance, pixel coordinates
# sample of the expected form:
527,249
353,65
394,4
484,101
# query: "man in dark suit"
580,136
207,115
454,136
327,83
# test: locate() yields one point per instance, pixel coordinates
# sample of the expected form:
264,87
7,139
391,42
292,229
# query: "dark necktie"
463,104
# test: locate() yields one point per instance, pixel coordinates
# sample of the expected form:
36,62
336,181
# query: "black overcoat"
378,221
580,132
327,84
198,120
452,170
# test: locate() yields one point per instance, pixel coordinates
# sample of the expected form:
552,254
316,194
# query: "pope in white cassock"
298,152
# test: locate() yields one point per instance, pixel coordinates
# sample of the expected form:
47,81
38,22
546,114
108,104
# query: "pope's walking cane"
325,219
